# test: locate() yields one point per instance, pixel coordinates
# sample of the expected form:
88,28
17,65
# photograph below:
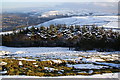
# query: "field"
57,61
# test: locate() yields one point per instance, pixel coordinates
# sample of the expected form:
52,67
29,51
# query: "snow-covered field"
32,51
54,53
51,52
90,59
105,21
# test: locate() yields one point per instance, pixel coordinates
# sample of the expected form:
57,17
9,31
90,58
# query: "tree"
84,29
32,29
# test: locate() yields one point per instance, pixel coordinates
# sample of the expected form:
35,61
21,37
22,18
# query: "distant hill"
104,21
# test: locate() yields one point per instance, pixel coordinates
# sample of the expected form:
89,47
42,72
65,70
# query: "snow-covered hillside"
71,12
105,21
102,21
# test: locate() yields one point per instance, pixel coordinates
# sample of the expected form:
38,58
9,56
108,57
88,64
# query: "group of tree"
87,37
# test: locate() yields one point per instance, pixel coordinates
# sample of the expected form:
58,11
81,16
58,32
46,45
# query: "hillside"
104,21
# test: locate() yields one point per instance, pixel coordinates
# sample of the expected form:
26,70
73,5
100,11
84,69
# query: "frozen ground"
32,51
86,66
53,52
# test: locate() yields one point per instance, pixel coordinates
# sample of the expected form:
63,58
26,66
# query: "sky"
16,4
60,0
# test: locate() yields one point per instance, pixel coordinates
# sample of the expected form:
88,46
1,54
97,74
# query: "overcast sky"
15,4
60,0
